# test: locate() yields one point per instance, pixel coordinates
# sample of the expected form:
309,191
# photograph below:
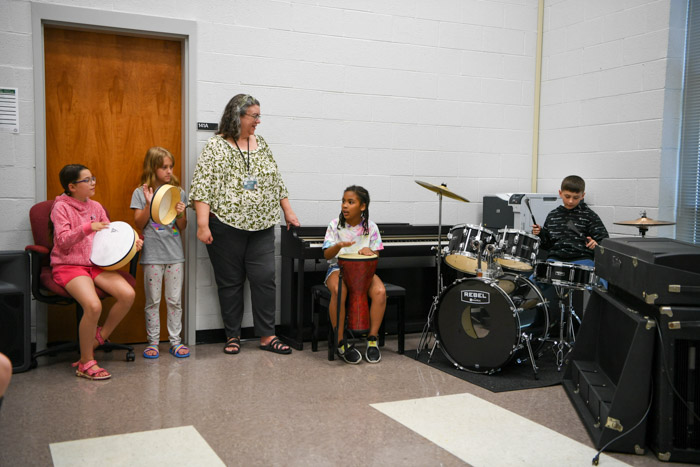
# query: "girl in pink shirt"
75,219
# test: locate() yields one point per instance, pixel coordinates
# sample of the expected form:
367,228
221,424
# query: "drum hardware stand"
425,335
567,337
527,338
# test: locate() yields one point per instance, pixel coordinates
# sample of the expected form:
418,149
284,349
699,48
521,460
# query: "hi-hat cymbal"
442,190
644,221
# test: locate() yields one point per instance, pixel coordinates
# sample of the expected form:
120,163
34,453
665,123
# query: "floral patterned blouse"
218,181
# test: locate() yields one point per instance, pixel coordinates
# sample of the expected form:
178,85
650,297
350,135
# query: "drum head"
475,326
163,205
479,322
113,247
356,257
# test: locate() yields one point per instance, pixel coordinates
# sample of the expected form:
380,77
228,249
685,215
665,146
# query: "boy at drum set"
570,234
350,245
503,313
80,230
159,211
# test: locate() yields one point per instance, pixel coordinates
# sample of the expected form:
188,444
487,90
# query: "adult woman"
237,192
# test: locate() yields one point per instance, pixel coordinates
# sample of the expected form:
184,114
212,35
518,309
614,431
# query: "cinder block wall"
381,93
612,74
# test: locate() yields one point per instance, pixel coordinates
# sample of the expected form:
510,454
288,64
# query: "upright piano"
408,260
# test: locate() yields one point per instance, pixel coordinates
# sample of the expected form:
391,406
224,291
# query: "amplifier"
674,433
657,271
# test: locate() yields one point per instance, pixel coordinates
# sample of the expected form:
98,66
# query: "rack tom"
517,249
462,253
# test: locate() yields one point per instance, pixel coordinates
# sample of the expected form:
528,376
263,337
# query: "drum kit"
492,317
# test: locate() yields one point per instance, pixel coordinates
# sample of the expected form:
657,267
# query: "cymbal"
442,190
644,221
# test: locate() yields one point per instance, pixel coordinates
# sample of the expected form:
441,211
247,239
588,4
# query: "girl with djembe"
353,240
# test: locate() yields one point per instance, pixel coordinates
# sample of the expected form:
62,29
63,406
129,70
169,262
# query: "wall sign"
9,110
207,126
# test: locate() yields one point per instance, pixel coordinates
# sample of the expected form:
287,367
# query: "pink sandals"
90,370
98,336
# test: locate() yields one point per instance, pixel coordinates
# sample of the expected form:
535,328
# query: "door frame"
138,25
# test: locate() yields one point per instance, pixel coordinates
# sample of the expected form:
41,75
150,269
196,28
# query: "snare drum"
165,199
461,252
358,271
518,249
114,246
574,276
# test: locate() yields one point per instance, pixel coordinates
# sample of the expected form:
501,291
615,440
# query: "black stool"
320,299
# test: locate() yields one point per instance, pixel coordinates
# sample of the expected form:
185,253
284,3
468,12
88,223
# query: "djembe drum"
358,271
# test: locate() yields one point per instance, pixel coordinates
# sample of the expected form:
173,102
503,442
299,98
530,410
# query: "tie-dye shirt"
335,234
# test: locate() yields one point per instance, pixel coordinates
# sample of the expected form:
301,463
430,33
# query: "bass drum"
482,324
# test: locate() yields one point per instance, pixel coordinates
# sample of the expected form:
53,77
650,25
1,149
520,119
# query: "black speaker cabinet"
674,433
608,373
15,312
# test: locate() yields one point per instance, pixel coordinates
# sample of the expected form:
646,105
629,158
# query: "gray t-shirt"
161,243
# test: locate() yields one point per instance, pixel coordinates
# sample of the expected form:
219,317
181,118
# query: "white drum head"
165,198
114,246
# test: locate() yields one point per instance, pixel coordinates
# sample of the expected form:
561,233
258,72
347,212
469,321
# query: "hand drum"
358,271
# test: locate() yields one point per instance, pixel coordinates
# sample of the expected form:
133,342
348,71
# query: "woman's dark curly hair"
230,125
364,199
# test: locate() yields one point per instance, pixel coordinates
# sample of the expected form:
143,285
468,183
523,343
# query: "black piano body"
408,260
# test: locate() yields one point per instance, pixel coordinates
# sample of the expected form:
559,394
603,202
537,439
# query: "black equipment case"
658,271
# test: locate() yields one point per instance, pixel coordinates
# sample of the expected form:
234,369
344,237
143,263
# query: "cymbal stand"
567,336
427,328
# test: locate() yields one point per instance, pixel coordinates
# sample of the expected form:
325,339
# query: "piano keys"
408,260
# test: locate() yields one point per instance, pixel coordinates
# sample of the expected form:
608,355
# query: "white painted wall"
384,92
612,74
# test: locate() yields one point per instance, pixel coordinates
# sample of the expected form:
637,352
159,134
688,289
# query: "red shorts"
62,275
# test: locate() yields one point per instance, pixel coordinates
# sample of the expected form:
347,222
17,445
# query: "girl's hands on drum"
366,252
148,194
139,244
180,207
344,244
204,235
536,229
97,226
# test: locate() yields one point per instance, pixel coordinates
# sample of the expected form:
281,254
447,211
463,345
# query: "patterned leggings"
154,275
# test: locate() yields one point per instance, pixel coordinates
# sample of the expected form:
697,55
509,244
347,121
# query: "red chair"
46,290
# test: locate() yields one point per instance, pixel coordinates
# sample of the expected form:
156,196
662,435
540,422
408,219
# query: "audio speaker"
15,313
608,373
674,433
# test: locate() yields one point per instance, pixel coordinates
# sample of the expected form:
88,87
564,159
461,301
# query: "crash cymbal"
645,221
442,190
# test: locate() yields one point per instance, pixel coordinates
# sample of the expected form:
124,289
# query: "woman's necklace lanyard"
249,182
246,162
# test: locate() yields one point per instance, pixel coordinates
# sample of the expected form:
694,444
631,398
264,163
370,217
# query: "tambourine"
114,246
165,198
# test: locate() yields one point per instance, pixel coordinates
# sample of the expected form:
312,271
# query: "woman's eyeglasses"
254,116
92,179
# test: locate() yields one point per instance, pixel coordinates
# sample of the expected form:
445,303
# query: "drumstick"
527,202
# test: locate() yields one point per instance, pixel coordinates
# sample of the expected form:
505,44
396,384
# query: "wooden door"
109,98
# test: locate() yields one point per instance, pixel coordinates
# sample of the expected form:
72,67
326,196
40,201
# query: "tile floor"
258,408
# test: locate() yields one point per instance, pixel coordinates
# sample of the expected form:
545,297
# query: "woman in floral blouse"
237,192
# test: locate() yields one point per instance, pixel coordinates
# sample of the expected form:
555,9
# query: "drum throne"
45,290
